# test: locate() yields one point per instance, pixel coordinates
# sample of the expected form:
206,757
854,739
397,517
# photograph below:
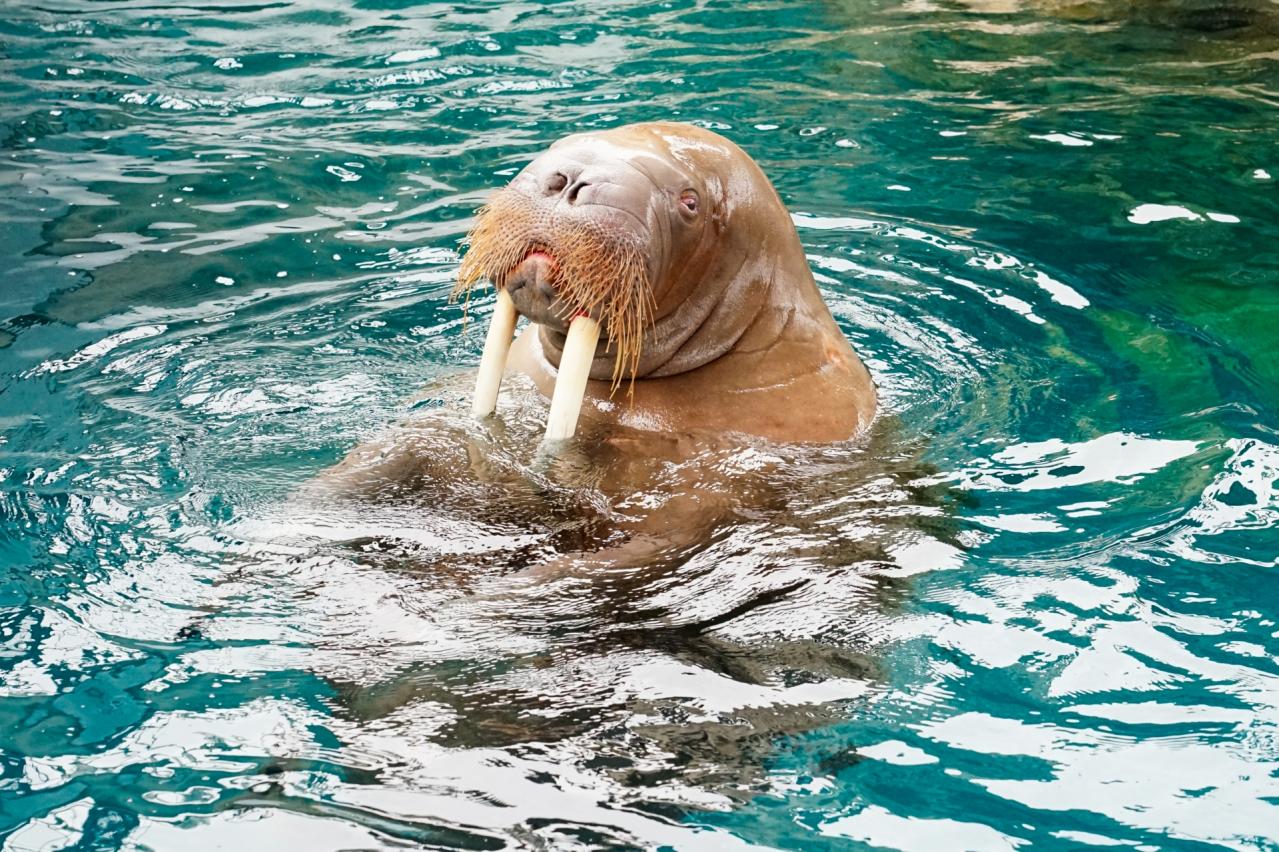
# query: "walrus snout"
535,272
565,181
587,183
531,285
575,243
568,178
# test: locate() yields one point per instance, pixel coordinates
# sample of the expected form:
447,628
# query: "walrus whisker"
596,277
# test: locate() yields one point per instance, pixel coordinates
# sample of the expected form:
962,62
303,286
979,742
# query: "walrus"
725,466
706,335
672,241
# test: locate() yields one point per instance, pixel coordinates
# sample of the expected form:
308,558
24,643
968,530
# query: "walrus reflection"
731,606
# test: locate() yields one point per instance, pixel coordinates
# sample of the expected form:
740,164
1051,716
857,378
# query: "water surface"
1036,608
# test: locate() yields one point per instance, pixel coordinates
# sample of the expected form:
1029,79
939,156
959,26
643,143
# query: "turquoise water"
1037,609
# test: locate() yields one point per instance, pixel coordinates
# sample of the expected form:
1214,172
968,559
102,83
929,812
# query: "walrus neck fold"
704,340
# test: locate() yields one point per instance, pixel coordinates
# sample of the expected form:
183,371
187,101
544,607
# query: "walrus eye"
688,200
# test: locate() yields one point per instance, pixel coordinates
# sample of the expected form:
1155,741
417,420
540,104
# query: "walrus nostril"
571,194
556,182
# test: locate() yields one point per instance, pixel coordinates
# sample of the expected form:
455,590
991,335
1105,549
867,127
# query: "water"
1036,609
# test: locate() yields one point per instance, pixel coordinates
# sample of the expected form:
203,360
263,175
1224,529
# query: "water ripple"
1038,591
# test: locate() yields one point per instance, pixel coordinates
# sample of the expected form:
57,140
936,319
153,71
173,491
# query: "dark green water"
1039,610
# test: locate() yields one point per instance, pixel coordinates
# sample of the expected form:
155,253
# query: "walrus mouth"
601,283
539,250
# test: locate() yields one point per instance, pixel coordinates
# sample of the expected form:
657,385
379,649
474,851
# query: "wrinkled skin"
741,340
741,350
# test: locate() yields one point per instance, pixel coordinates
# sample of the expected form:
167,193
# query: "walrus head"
598,224
665,234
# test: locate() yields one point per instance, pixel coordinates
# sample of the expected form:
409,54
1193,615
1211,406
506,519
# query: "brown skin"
740,339
736,346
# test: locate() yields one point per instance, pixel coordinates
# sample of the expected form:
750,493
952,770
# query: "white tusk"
497,345
570,387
